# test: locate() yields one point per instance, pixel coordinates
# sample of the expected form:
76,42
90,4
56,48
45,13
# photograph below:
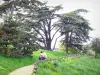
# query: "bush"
73,51
96,46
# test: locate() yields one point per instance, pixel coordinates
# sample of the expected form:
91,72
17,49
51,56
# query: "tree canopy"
75,29
34,23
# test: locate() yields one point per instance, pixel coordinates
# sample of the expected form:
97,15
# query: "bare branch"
56,41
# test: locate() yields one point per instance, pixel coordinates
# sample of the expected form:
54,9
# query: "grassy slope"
80,66
50,54
9,64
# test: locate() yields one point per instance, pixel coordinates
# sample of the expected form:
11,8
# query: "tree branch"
52,26
55,33
40,35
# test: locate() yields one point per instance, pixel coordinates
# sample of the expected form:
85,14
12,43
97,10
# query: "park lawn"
85,65
8,64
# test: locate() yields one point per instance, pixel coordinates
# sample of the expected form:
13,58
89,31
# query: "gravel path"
27,70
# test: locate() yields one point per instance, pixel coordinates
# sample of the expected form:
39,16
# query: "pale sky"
91,5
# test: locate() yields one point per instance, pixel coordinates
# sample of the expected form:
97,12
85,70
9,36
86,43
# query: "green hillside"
84,65
50,54
9,64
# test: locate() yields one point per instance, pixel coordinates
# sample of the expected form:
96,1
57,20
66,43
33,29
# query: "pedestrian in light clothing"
42,56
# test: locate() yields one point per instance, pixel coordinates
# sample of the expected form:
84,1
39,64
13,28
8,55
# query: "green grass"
10,64
50,54
78,66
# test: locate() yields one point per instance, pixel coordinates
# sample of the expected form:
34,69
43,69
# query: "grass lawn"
84,65
9,64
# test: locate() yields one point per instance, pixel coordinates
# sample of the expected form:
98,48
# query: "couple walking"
42,56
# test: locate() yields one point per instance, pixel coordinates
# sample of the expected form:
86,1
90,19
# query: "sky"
93,6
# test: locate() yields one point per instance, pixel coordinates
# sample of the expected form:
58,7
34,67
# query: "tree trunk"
66,48
49,36
66,40
48,44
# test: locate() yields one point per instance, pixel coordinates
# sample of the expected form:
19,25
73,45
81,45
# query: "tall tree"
37,15
23,42
74,28
17,33
43,19
44,25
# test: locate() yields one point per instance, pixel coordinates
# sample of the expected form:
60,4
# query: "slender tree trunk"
66,48
49,36
66,45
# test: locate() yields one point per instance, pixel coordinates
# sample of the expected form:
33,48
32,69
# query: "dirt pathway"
27,70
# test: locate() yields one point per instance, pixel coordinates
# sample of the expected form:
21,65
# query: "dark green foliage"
14,42
55,64
15,30
75,29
